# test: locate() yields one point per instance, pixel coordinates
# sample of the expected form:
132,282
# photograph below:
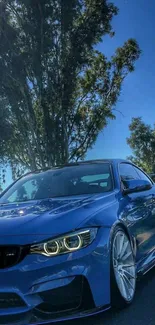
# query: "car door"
139,211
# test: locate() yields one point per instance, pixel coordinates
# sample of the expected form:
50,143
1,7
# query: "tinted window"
152,177
67,181
99,179
26,192
127,172
142,175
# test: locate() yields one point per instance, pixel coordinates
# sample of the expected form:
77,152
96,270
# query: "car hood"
34,221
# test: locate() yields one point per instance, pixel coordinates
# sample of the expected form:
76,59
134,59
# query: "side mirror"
136,185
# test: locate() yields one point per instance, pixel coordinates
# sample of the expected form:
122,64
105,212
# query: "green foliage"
142,142
57,90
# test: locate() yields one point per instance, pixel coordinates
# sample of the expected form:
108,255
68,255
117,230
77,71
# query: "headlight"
66,244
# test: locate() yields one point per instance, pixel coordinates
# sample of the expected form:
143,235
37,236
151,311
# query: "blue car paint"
49,271
59,216
33,222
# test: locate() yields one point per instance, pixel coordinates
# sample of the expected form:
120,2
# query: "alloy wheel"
124,265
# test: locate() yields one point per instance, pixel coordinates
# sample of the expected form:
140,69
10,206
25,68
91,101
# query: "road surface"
141,312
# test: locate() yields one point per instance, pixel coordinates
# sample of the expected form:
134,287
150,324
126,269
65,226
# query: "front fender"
121,224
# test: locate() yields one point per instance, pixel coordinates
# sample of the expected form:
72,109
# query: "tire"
123,270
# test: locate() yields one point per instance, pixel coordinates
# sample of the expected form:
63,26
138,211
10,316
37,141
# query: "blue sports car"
73,240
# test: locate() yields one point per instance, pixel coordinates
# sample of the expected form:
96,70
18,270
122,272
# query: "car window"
152,176
98,179
142,175
66,181
24,193
127,172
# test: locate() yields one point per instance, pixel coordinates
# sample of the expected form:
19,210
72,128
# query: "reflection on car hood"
35,220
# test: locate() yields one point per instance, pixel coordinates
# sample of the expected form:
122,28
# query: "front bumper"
40,289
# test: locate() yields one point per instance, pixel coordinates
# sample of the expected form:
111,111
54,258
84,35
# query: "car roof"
84,162
95,161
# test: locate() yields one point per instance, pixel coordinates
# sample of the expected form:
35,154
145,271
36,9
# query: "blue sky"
135,20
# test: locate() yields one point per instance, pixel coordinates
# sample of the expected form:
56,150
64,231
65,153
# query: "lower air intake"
10,300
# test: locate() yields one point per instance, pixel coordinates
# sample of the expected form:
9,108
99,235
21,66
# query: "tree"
142,142
57,89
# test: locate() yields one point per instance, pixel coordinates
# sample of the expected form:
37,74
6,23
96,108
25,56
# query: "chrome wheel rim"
124,265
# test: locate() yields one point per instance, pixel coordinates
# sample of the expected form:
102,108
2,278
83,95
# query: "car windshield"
59,182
